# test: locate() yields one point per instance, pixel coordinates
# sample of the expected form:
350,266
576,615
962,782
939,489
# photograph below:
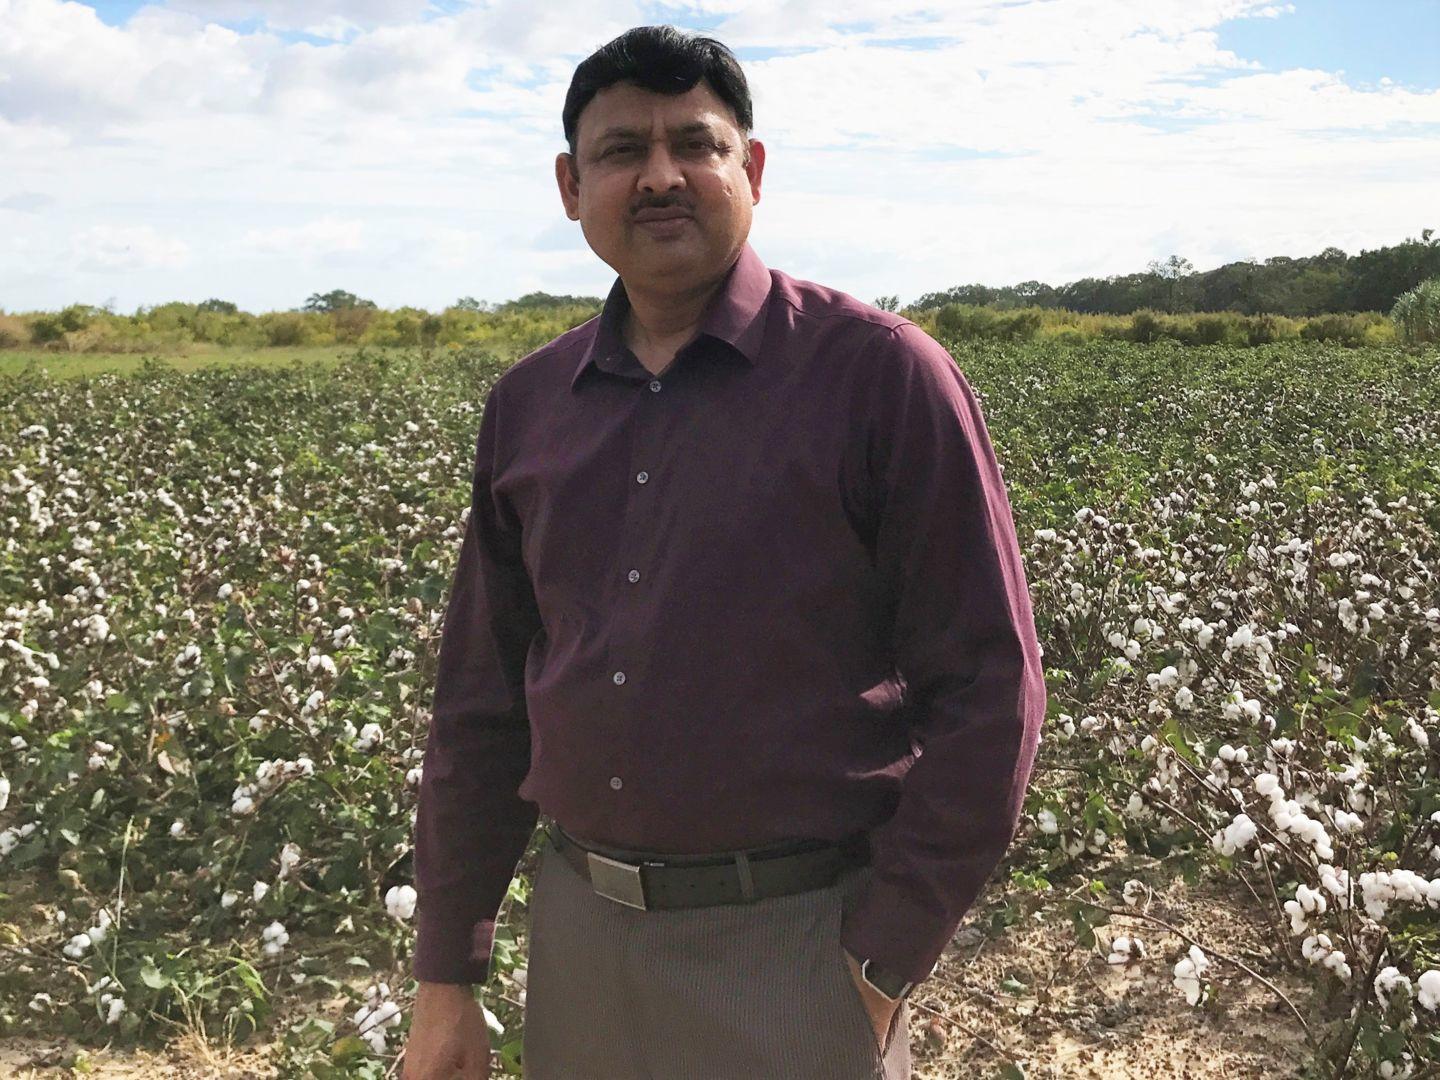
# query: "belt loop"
747,883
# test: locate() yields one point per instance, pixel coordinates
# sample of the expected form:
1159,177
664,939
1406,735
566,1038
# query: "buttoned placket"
635,532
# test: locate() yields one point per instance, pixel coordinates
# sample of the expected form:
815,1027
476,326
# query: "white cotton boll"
1133,892
400,901
414,776
1268,784
1047,822
1315,948
117,1006
4,792
1125,951
1184,698
1417,733
242,805
1227,753
1298,923
177,828
371,736
77,946
289,858
1428,989
275,936
258,892
1187,975
229,898
1388,983
1347,822
1236,836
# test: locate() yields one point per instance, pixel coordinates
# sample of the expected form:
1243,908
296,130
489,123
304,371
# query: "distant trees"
540,301
1311,285
336,300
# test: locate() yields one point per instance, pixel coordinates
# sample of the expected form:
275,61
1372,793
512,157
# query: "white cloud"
105,248
1030,139
325,236
306,14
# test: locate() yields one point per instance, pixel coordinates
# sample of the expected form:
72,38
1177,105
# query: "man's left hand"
880,1008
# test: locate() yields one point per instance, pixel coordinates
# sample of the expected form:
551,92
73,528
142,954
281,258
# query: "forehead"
626,105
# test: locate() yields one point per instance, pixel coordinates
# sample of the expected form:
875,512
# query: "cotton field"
220,602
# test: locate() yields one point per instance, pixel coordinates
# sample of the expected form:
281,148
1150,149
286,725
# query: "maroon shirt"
774,592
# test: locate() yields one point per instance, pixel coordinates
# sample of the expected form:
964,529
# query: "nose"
661,171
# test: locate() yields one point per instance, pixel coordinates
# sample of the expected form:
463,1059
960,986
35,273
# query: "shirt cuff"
900,936
451,946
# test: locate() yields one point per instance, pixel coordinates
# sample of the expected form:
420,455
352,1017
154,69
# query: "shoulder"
815,303
882,338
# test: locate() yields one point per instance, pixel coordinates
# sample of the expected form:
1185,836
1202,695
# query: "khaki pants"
758,990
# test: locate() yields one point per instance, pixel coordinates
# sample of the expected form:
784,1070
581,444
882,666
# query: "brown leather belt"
650,881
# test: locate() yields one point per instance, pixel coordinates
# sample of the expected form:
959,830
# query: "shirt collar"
735,314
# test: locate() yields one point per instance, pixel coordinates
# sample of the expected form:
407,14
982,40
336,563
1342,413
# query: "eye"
623,148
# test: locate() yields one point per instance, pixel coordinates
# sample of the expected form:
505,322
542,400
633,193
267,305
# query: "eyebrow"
691,128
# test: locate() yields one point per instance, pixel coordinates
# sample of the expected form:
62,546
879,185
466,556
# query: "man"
740,610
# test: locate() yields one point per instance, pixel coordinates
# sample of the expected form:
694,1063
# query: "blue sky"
1368,41
403,149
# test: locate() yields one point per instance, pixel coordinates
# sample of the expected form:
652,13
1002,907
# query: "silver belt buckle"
616,880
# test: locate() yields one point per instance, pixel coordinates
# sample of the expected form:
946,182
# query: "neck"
661,317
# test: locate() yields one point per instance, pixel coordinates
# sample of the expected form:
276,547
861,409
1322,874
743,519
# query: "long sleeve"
965,645
471,826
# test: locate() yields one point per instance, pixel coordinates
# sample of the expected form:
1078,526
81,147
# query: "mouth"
663,214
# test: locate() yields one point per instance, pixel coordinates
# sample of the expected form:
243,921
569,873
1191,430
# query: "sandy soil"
1028,994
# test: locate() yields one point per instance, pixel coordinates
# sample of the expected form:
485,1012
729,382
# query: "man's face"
664,194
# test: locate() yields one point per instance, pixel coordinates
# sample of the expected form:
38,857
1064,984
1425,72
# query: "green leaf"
348,1049
152,977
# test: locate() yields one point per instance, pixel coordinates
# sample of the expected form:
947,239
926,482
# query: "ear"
568,180
755,168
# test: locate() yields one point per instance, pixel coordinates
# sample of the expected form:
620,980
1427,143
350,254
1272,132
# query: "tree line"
1330,282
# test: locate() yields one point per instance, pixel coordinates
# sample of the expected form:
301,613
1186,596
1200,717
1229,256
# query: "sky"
404,150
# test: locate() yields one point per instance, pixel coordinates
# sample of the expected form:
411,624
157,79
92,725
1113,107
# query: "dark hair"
662,59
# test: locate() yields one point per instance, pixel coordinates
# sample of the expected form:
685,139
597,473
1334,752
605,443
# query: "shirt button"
634,575
616,783
655,386
641,477
619,677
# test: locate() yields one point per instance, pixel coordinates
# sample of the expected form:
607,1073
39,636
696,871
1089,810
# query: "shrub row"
958,322
80,328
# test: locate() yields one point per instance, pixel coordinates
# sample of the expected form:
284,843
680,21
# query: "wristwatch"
891,987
